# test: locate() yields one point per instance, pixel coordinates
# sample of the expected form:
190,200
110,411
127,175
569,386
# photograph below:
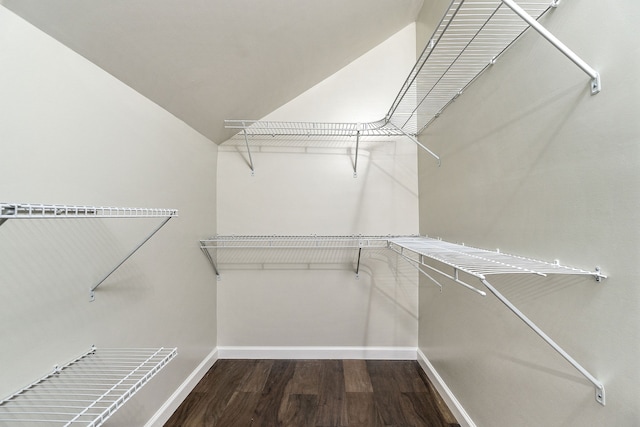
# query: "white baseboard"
371,353
168,408
447,395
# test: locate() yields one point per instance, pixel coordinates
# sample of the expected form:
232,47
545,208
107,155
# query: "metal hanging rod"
85,391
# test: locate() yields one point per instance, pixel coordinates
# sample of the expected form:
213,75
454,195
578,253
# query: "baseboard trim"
445,392
163,414
370,353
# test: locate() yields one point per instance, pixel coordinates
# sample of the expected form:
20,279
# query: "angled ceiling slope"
205,61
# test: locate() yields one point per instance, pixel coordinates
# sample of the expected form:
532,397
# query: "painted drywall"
304,187
72,134
536,166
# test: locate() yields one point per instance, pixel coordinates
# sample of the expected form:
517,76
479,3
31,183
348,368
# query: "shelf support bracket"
416,264
246,141
213,264
595,76
92,291
355,162
442,273
418,143
600,396
358,264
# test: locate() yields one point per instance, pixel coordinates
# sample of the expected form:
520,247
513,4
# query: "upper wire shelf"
271,128
470,37
86,391
468,40
24,211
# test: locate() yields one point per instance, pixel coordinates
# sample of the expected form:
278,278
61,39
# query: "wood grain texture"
356,377
313,393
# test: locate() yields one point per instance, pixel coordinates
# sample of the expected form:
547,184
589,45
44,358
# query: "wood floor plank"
306,377
362,410
332,407
381,373
300,410
256,376
356,377
419,410
388,404
314,393
239,411
187,412
273,399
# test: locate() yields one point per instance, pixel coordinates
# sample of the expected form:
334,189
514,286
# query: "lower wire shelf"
86,391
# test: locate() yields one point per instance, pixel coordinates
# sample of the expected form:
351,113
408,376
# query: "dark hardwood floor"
313,393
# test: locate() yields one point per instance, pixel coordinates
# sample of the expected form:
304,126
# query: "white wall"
534,165
303,188
72,134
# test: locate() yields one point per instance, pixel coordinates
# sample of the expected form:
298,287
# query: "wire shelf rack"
30,211
86,391
295,242
272,128
480,262
427,255
468,40
470,37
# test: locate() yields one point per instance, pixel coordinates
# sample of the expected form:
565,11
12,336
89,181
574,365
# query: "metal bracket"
213,264
600,396
92,293
246,141
418,143
358,263
595,82
355,163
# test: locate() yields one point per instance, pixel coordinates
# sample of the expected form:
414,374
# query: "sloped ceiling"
210,60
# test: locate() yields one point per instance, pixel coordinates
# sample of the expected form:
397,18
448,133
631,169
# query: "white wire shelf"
35,211
291,249
42,211
308,129
295,242
480,262
469,39
418,250
86,391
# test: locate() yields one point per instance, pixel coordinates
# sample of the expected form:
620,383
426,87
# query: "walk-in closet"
325,213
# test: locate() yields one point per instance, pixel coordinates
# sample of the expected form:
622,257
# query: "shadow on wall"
368,148
47,268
